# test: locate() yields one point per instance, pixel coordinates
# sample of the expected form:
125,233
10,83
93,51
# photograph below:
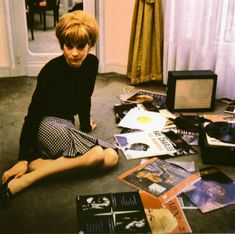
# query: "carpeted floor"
49,206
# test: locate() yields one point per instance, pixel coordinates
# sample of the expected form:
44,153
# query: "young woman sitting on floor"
49,142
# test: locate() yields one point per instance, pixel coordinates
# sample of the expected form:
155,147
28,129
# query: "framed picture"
191,91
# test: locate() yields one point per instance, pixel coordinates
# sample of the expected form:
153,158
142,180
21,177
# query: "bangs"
77,36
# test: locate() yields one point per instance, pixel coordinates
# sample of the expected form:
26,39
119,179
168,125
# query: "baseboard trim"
112,67
34,69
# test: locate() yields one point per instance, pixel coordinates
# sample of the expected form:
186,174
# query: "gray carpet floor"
49,206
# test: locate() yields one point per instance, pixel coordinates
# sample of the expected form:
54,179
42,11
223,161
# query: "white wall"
117,17
4,45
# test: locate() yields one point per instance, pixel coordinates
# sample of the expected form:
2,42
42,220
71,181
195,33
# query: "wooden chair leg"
31,23
44,20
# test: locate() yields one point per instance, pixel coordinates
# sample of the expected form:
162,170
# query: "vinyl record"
189,123
222,131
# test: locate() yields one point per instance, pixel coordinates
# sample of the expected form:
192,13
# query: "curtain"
146,42
200,35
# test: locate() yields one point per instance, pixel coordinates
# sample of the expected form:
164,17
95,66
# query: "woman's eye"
69,46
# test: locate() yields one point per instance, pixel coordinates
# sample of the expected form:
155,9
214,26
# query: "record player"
217,143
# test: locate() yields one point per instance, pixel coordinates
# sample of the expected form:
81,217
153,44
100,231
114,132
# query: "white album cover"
143,120
142,144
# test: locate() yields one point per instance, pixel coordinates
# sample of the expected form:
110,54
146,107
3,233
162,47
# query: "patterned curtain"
146,42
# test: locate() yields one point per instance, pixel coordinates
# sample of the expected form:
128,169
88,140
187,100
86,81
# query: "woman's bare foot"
17,185
18,170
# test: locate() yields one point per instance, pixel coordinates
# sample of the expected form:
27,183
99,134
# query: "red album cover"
160,178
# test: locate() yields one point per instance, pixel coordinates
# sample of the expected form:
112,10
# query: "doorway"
43,40
45,47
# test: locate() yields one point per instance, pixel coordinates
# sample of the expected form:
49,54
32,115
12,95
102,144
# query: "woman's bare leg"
37,163
110,158
93,157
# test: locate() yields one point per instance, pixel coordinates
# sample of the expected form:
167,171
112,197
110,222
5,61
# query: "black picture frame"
191,91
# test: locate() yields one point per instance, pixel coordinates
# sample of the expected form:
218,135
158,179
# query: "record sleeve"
143,120
142,144
111,213
159,178
215,190
164,218
158,100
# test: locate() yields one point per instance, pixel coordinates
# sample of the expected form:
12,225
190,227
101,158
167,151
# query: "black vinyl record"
189,123
222,131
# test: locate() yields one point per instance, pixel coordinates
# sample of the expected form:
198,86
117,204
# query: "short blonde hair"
77,28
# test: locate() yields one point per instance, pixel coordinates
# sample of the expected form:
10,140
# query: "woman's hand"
19,169
93,124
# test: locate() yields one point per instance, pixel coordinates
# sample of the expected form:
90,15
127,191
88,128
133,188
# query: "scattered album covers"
192,138
143,120
219,118
215,190
185,202
142,144
111,213
158,100
160,178
181,146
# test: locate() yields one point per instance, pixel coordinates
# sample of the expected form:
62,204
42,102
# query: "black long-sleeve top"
61,91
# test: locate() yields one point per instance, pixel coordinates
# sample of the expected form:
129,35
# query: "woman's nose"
75,52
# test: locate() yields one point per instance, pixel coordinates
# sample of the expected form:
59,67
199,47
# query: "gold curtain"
146,42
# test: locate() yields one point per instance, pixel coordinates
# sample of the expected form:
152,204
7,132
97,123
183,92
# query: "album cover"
230,108
192,138
185,202
158,100
111,213
214,191
141,144
143,120
160,178
120,110
181,146
219,118
165,218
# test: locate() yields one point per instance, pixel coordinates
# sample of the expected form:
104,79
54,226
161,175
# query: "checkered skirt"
59,137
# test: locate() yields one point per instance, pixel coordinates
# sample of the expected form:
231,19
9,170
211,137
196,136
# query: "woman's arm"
90,76
28,136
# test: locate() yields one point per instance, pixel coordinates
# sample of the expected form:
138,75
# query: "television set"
191,91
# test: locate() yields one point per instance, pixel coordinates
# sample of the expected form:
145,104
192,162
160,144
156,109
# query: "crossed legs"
40,168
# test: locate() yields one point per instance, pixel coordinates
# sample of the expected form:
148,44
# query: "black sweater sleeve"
85,108
28,137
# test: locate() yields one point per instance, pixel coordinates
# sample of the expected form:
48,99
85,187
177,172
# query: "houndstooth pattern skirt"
59,137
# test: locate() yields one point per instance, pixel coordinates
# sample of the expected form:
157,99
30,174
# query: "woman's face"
75,56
